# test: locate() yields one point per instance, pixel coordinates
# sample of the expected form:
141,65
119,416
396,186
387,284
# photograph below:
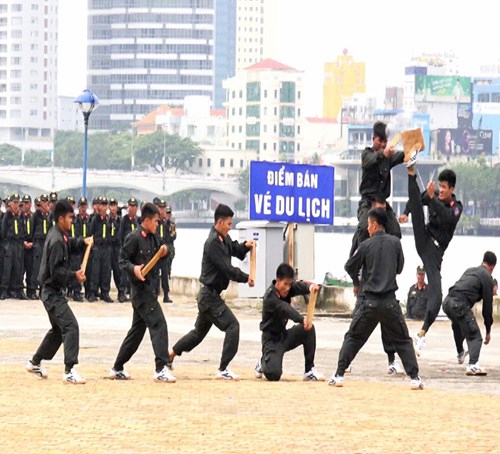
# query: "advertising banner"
464,141
442,89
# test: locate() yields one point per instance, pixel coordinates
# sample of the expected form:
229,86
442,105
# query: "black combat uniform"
167,234
41,227
128,224
54,277
431,240
115,245
138,249
276,339
417,302
82,231
216,272
375,177
101,256
13,237
380,258
476,284
28,251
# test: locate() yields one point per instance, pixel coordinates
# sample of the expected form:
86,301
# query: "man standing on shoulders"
476,284
432,239
54,277
216,272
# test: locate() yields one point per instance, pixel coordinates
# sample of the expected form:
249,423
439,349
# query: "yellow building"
343,78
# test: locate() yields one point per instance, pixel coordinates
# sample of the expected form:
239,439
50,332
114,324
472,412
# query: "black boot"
91,298
77,296
166,298
3,295
105,297
21,295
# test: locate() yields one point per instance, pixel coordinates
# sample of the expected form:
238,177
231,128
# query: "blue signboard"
291,192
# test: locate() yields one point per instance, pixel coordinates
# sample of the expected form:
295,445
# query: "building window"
495,97
253,111
200,162
264,145
240,128
265,93
209,162
483,97
287,92
241,163
222,162
253,91
252,145
231,163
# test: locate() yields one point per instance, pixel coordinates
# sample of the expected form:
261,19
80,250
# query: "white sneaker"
475,369
227,374
461,357
348,369
119,374
416,383
395,368
314,375
164,376
73,377
413,159
36,369
336,381
258,369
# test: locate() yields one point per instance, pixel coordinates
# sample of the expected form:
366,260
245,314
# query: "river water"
332,249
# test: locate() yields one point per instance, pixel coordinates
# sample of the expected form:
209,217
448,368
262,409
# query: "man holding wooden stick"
276,339
139,255
216,272
54,276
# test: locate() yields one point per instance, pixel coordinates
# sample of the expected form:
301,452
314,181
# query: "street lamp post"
86,102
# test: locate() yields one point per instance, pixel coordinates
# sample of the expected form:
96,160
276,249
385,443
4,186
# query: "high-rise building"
143,53
28,73
225,46
343,78
264,108
256,37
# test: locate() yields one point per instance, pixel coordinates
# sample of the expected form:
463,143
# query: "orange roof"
218,112
150,118
269,63
321,120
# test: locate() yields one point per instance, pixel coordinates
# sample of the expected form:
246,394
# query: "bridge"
37,180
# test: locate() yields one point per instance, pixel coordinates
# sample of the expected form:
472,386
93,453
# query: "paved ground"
372,413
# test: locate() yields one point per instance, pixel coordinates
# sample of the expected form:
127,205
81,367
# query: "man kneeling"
276,339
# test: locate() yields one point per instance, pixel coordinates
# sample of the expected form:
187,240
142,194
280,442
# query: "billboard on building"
464,142
442,89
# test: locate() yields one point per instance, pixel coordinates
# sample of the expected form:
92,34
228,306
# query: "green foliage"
114,150
244,181
37,158
9,155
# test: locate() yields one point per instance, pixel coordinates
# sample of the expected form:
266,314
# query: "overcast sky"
384,34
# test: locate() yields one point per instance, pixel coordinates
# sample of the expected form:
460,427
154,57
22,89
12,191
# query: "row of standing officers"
23,233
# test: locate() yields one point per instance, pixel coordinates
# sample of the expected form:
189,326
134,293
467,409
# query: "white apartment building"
28,73
256,37
69,118
264,108
143,53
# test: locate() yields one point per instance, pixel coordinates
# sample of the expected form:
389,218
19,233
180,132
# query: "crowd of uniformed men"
24,229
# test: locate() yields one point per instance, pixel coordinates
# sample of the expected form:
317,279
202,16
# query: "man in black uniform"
54,276
114,228
82,223
28,247
431,240
476,284
167,235
138,249
13,237
101,254
128,224
41,227
380,259
376,164
417,296
216,272
75,258
52,203
276,338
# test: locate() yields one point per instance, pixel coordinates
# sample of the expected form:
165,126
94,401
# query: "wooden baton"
86,256
291,245
149,266
253,261
311,306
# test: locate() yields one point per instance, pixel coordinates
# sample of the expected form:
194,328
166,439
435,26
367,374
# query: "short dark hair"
449,176
380,130
285,271
222,212
379,215
149,210
378,197
62,208
490,258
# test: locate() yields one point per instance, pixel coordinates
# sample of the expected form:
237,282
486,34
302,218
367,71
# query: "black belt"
212,289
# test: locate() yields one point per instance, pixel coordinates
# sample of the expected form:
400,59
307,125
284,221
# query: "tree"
244,181
10,155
